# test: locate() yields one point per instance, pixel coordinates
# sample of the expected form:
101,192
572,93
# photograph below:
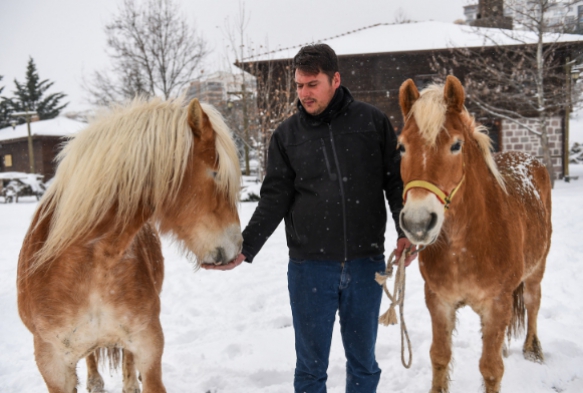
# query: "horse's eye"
456,147
401,148
212,173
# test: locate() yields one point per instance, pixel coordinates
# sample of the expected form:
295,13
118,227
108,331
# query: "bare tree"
275,100
401,17
246,97
518,82
266,92
154,51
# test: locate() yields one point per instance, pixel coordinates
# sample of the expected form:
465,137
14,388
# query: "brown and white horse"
90,270
485,222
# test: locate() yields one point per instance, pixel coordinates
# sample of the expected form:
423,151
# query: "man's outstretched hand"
229,266
403,244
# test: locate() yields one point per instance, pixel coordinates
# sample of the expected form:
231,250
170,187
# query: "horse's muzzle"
421,219
419,230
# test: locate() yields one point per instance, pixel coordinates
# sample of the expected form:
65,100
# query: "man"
328,166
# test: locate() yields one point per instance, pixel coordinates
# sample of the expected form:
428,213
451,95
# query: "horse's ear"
454,94
195,117
408,94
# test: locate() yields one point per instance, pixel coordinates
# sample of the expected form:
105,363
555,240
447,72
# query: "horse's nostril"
432,221
219,256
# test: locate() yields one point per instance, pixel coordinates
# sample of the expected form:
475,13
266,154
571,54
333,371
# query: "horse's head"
431,146
203,214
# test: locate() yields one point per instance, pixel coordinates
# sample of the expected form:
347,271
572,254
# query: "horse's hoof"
534,356
534,351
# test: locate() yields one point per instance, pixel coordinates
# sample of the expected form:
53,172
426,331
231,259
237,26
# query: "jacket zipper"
326,159
342,196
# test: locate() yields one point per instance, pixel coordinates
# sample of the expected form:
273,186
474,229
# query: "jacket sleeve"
392,183
277,194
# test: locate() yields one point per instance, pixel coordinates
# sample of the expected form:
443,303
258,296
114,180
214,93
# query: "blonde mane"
131,156
229,172
429,112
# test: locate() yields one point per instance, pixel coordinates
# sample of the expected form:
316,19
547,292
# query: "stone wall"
514,137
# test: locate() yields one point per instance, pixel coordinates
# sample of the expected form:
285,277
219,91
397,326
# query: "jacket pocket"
297,261
377,258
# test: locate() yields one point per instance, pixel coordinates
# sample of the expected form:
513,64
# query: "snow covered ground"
576,128
230,332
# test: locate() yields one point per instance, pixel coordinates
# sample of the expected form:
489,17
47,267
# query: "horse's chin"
424,241
220,256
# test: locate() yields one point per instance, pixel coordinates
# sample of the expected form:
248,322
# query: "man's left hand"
403,244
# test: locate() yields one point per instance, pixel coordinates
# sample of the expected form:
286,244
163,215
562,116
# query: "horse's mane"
229,171
429,112
129,156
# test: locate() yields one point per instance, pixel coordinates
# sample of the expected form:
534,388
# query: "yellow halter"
443,197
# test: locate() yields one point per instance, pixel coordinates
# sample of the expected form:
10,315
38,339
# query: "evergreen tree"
5,109
31,95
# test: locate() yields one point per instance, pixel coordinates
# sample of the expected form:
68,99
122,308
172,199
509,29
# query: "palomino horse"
485,222
91,268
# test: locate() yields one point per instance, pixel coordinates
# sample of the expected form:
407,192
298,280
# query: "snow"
576,128
250,189
32,179
230,332
418,36
59,126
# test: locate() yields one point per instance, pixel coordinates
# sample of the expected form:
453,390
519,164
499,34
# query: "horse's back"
526,178
529,200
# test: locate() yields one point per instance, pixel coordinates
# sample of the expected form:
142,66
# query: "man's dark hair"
312,59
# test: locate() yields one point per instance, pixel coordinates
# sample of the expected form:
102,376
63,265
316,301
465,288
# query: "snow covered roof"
418,36
59,126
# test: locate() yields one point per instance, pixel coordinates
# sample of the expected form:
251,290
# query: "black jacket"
326,176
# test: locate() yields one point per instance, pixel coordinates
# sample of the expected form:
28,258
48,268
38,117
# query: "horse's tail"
111,356
516,326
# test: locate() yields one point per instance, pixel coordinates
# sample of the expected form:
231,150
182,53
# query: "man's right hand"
229,266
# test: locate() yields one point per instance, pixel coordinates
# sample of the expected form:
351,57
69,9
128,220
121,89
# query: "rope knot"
389,317
397,299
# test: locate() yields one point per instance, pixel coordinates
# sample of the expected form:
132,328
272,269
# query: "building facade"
48,137
374,73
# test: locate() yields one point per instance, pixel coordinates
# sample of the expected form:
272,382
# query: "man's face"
316,91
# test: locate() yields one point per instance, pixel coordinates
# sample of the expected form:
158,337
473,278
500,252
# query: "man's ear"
336,80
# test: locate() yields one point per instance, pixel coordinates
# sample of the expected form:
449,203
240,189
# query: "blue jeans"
317,290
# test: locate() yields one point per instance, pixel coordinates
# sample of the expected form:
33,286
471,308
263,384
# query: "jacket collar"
341,100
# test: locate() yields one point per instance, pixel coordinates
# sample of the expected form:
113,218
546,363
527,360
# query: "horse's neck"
112,241
474,201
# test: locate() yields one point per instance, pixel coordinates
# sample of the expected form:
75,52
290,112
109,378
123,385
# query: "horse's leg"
532,349
442,323
147,348
57,371
495,319
94,380
130,377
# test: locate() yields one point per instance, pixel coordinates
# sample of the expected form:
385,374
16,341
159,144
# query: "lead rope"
397,299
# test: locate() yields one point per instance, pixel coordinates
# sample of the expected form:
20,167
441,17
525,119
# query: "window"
8,160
